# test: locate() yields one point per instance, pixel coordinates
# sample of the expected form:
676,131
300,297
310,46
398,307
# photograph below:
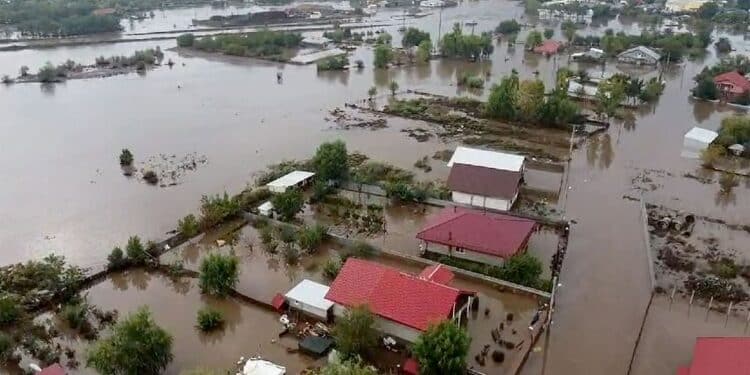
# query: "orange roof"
734,78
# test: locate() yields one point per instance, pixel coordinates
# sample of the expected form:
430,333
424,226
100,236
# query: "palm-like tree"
634,88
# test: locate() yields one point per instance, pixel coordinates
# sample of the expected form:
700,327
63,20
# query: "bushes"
47,74
332,267
209,319
126,157
215,209
219,274
508,27
457,44
734,129
75,315
185,40
311,237
383,56
712,155
188,226
116,259
257,44
135,250
151,177
10,311
523,269
414,37
471,81
288,204
6,347
333,63
360,249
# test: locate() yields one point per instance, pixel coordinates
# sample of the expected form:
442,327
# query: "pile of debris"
668,222
168,170
347,121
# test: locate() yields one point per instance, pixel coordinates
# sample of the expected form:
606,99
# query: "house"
308,297
548,47
316,41
592,55
404,305
639,56
55,369
486,179
696,140
291,179
481,237
719,355
732,85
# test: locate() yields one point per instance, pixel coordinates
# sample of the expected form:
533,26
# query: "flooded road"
63,190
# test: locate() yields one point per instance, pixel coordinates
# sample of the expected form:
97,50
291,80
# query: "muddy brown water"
63,191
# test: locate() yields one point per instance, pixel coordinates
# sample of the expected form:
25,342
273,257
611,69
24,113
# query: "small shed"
737,149
697,140
315,345
291,179
256,366
266,209
309,298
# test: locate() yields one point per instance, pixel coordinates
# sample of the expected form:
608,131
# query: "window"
460,250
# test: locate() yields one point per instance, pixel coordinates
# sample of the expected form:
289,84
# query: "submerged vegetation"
264,44
467,46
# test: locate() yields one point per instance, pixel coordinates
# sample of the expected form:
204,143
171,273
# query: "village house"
731,85
486,179
481,237
639,56
290,180
309,298
548,48
719,355
404,305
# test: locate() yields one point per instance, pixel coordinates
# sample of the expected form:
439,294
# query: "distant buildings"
683,6
481,237
639,56
732,85
719,356
548,47
486,179
404,305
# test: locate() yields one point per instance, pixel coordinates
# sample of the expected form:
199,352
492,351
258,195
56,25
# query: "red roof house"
732,84
548,47
479,236
405,304
719,355
55,369
437,273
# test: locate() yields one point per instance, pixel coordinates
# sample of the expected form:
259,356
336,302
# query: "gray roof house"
640,56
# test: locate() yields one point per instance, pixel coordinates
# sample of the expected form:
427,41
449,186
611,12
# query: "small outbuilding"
309,298
291,179
732,85
697,140
315,345
486,179
256,366
639,55
266,209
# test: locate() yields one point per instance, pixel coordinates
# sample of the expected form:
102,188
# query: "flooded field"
64,192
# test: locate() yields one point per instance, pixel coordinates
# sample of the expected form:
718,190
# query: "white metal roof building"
296,178
309,297
262,367
487,159
696,140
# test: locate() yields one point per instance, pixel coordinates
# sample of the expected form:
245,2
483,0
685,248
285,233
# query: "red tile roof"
392,294
488,182
548,47
437,273
55,369
720,355
483,232
734,78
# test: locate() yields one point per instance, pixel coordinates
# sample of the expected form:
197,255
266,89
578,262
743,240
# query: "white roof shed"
310,297
266,209
697,140
295,178
487,159
262,367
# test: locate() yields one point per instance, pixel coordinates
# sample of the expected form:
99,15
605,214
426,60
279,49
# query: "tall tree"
288,203
442,349
530,99
414,37
502,102
355,333
533,39
137,346
219,274
330,161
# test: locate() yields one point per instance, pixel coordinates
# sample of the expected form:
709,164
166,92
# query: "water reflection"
48,89
599,151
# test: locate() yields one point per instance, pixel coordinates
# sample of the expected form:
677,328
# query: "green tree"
549,33
503,99
530,99
634,88
442,350
533,39
219,274
116,259
185,40
47,74
332,267
384,39
508,27
330,161
414,37
137,346
424,51
522,269
383,56
711,155
609,96
24,71
188,226
288,203
743,4
706,89
311,237
723,45
209,319
393,86
126,157
136,252
10,310
347,368
708,10
558,110
372,91
217,208
355,333
569,30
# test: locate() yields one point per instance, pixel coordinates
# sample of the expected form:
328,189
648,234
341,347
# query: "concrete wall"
482,201
307,309
466,254
385,326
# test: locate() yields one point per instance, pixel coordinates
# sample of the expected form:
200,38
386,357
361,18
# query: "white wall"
385,326
469,255
307,309
482,201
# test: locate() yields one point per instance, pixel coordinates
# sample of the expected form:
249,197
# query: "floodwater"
63,191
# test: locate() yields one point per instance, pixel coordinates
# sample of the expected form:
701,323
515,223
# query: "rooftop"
702,135
310,293
488,233
290,179
437,273
719,355
734,78
484,181
548,47
488,159
645,50
55,369
391,294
